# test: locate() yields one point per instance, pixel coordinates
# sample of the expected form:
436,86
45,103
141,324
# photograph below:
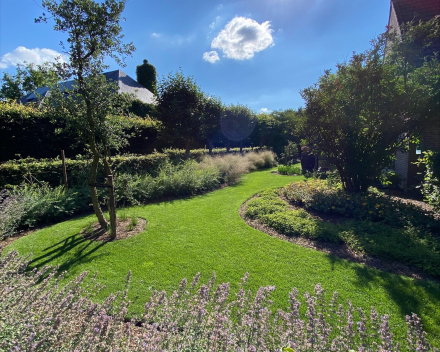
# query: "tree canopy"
94,33
146,75
28,78
180,107
359,115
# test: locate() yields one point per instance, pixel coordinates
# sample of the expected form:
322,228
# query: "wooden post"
112,206
63,158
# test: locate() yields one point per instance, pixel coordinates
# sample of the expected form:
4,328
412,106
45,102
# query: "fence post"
63,158
112,206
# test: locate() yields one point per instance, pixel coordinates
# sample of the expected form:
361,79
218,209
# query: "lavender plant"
37,313
12,209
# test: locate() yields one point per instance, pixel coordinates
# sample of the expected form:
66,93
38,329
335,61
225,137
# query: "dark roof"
418,10
126,84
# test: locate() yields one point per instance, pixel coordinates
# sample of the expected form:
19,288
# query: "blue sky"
260,53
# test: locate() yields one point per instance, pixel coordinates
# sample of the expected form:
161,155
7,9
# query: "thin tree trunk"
210,146
94,193
187,149
111,201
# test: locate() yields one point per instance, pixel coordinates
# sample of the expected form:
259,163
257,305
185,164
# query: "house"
403,11
126,84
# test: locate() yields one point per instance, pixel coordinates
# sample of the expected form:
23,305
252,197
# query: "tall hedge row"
27,131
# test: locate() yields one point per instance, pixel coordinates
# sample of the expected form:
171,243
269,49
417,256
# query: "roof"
416,10
403,11
125,83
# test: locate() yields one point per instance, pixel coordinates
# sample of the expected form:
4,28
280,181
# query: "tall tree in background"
212,111
180,108
146,75
237,123
358,115
94,33
29,77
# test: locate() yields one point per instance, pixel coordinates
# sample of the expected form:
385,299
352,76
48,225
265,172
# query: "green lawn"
206,234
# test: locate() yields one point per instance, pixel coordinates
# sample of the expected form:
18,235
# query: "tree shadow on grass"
80,248
410,295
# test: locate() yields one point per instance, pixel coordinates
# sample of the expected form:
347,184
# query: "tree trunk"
111,201
210,146
94,193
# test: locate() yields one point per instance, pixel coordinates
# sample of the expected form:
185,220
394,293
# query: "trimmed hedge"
27,131
14,172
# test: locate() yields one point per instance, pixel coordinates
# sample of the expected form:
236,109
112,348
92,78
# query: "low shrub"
410,244
289,169
29,205
372,206
431,181
43,315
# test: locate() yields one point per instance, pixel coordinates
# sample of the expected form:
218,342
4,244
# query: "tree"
94,33
180,108
359,115
212,111
237,123
29,77
146,75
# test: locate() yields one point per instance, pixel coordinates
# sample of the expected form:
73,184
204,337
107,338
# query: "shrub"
431,182
29,205
43,315
411,244
289,169
372,206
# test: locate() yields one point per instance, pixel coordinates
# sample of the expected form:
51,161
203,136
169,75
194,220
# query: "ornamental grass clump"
37,313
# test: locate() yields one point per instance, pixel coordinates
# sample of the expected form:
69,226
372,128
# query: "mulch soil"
122,231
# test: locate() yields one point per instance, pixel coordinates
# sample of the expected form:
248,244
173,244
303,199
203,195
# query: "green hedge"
31,132
14,172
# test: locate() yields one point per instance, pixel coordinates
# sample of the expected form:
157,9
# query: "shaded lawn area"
206,234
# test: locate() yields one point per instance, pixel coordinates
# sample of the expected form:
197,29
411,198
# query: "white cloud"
211,56
37,56
242,38
215,23
219,7
265,111
155,35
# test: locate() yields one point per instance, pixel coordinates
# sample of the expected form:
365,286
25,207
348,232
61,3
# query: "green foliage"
37,133
431,182
237,122
180,107
277,129
37,204
357,115
372,206
410,243
28,78
390,178
146,75
289,169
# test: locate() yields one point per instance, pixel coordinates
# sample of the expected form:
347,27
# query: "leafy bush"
29,205
318,195
171,181
289,169
43,315
411,244
431,181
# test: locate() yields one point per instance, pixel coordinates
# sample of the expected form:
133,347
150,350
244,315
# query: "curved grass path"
206,234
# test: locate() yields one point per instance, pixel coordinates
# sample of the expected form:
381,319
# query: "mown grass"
205,234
